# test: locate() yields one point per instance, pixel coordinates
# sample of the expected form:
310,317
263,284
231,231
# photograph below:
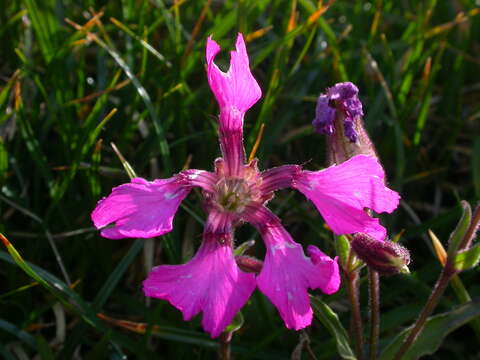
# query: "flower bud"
249,263
339,116
386,257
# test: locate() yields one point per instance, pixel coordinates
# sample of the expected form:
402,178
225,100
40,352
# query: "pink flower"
342,192
236,192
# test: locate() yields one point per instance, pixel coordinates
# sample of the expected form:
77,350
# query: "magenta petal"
328,279
140,209
279,177
287,274
211,282
237,88
200,178
342,192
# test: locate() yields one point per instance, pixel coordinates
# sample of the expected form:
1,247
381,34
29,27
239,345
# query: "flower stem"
374,292
432,302
352,289
224,351
448,272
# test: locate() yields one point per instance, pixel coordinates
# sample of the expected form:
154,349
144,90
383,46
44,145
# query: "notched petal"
237,88
210,283
140,209
342,192
329,273
287,274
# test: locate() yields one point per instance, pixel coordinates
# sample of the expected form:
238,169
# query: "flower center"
233,194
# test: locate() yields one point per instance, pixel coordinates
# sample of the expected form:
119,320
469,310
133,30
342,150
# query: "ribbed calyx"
386,257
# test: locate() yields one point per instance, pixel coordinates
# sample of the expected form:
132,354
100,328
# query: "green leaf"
93,178
464,297
35,150
462,226
467,259
475,166
126,165
44,349
69,298
157,123
3,161
19,333
7,355
436,329
46,26
145,44
116,275
87,141
100,350
17,258
330,320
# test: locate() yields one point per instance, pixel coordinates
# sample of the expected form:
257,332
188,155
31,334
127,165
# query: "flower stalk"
431,304
225,351
374,300
357,327
448,273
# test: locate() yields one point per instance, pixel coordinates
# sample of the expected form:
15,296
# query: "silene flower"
237,192
338,115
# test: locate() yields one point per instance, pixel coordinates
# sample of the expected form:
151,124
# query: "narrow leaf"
44,349
457,236
116,275
330,320
467,259
3,161
69,298
17,332
100,350
436,329
475,166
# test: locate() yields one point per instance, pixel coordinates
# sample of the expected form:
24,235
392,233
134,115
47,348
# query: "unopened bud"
249,263
386,257
339,116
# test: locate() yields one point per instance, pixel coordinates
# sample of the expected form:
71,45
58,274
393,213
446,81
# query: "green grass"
415,62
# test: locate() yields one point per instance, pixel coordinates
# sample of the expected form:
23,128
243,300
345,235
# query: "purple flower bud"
386,257
343,97
249,263
339,116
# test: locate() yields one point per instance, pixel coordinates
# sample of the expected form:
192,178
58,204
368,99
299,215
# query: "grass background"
65,66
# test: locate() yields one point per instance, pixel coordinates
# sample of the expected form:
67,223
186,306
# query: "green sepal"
457,235
240,249
467,259
236,323
342,248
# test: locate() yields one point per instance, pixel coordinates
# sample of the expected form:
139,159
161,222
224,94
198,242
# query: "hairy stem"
352,289
224,351
432,302
374,293
447,274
